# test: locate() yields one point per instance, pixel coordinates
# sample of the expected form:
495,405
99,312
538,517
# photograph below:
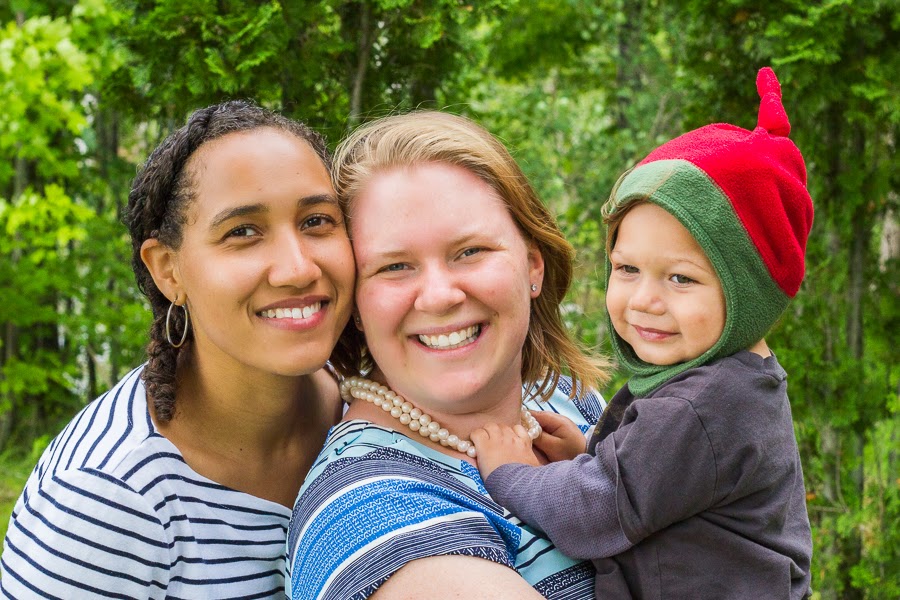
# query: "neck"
254,433
256,411
760,348
449,432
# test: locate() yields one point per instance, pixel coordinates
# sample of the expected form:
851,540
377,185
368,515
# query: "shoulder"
84,531
111,442
104,433
113,509
585,409
376,501
743,386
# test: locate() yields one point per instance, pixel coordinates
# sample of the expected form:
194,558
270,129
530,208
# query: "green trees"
841,92
578,90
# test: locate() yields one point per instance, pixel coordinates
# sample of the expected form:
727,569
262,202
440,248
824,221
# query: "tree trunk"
627,74
9,417
366,39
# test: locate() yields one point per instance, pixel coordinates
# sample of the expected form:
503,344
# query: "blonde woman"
461,271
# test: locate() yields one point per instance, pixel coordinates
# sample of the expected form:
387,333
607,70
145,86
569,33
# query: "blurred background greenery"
578,90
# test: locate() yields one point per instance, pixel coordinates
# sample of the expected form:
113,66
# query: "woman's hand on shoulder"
453,576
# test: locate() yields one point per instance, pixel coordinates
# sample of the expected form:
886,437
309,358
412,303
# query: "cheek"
614,299
337,260
215,281
379,305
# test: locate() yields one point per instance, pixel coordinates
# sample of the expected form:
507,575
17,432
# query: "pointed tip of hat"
772,116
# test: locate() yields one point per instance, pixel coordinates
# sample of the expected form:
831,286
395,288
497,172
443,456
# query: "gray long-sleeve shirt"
697,494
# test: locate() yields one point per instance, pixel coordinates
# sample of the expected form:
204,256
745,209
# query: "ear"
160,261
535,268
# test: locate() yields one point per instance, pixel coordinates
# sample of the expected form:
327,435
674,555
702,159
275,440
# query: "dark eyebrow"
238,211
253,209
315,199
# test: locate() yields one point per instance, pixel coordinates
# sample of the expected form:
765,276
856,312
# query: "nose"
646,297
291,263
439,292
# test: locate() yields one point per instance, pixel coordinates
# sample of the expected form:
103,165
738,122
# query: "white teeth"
453,340
292,313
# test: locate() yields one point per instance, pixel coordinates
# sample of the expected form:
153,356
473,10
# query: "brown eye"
242,231
317,221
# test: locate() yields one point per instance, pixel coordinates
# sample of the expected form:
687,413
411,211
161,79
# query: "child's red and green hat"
742,195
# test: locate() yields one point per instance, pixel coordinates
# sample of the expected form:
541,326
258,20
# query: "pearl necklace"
414,418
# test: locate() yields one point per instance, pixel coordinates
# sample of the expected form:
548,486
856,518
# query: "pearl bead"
415,418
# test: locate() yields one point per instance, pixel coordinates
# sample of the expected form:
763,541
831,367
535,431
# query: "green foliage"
578,90
41,71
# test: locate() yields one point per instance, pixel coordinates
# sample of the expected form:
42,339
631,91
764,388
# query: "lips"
304,312
451,340
652,335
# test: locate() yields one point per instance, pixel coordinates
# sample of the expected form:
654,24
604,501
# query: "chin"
304,365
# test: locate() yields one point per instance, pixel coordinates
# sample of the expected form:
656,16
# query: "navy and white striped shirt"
112,510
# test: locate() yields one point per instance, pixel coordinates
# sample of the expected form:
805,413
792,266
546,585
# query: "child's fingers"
551,422
522,434
560,447
486,432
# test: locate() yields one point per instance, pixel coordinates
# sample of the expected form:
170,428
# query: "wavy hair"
428,136
157,208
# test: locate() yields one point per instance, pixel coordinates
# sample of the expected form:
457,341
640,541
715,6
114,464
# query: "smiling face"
265,262
664,298
444,286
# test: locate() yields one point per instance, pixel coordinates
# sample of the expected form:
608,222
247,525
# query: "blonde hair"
419,137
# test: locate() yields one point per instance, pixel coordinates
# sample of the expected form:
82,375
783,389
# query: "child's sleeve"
655,470
573,502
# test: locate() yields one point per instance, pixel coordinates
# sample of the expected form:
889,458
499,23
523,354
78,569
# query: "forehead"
653,228
444,198
256,165
252,148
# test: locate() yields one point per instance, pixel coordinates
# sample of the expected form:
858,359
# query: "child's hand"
561,439
498,445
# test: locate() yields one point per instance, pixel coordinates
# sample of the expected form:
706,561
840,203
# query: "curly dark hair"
157,208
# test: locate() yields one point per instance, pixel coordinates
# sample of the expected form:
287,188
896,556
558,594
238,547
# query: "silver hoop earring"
533,287
187,325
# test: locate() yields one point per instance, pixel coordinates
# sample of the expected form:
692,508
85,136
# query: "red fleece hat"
763,175
742,195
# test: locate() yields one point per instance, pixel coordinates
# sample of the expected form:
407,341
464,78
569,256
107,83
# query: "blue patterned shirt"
376,500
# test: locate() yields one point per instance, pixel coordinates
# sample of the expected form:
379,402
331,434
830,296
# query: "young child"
693,486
